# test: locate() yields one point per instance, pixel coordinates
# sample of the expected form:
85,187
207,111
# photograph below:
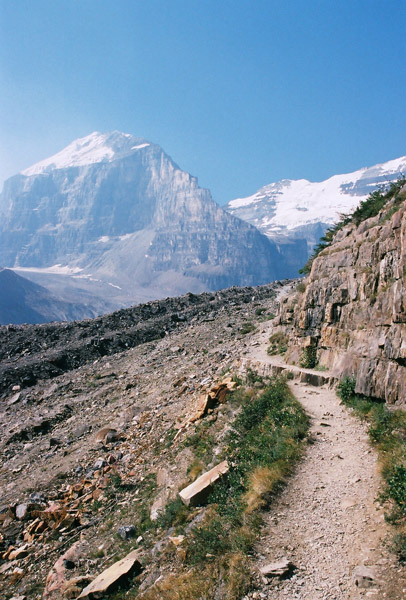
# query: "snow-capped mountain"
115,209
301,208
94,148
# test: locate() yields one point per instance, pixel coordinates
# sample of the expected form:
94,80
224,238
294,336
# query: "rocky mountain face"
350,313
290,211
22,301
116,209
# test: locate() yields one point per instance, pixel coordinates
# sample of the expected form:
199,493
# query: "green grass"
247,327
278,343
308,357
387,430
202,441
262,447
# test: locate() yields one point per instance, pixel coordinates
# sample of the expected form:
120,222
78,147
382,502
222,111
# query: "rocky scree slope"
350,312
94,449
30,353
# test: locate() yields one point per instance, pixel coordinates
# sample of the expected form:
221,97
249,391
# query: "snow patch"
53,270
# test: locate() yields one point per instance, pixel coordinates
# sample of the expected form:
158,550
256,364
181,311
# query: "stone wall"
352,312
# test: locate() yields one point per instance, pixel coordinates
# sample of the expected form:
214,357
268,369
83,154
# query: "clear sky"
239,93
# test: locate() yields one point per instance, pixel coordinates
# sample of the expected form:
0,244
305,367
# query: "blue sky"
239,93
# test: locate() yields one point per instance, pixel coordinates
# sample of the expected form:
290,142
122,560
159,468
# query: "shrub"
175,513
387,430
346,388
399,546
278,343
265,441
308,357
247,327
397,487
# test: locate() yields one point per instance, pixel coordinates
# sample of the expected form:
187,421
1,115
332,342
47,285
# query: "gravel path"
327,521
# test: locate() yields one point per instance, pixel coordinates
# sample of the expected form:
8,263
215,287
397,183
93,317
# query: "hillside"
103,422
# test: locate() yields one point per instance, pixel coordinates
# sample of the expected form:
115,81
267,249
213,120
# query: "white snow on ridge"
53,270
94,148
288,204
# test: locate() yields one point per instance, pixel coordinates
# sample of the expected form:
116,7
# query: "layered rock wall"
351,314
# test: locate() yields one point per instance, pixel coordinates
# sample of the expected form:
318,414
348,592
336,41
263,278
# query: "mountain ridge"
294,208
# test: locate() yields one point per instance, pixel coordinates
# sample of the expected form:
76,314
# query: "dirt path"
327,522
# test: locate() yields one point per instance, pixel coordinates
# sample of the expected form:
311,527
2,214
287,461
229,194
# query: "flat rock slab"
197,492
277,569
112,576
364,577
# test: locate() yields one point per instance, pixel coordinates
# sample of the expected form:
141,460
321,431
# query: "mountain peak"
94,148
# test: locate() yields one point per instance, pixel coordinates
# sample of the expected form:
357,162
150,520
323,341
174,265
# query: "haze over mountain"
22,301
114,212
291,209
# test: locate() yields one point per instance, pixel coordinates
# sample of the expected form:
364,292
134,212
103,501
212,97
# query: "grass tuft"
387,430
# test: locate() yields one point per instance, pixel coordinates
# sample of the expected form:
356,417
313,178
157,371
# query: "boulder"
277,569
197,492
112,577
363,577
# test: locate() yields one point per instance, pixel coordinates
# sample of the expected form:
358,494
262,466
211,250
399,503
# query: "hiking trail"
327,521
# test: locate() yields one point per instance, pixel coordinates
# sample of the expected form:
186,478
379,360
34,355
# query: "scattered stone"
22,511
363,577
68,564
111,437
21,552
197,492
106,435
80,430
126,532
177,540
117,573
99,464
281,568
57,581
14,399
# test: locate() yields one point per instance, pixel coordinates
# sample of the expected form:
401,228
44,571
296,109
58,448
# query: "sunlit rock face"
351,310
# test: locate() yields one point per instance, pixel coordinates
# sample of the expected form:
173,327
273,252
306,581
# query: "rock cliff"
350,313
